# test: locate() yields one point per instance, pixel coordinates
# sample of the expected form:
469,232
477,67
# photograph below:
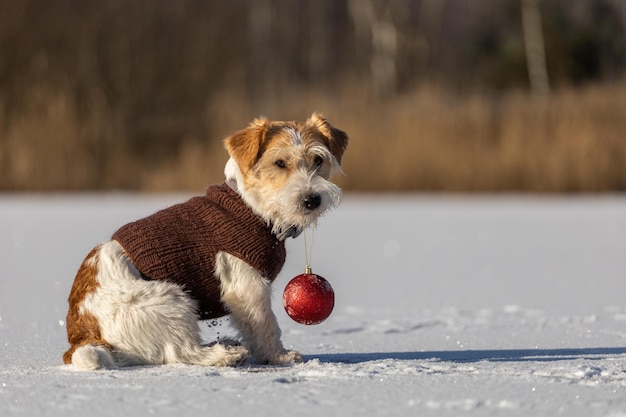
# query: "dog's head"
283,169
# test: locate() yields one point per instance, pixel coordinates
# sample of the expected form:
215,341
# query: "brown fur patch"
246,145
83,328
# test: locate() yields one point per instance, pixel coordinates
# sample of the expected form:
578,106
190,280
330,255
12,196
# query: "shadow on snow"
512,355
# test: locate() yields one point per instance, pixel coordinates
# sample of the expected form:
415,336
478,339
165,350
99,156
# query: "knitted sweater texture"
179,244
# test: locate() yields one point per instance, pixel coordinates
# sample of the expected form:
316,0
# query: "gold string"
308,250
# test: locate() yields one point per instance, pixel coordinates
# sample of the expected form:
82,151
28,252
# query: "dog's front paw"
286,357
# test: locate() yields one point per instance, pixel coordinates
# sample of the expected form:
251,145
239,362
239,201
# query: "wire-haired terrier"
137,299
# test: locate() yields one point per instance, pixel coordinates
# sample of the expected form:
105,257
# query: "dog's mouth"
306,216
293,232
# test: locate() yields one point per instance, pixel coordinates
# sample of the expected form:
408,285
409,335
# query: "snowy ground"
446,306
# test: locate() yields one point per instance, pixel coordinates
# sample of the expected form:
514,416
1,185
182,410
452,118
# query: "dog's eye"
318,161
280,164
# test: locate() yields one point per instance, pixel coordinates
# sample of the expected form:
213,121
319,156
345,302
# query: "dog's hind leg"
151,322
125,320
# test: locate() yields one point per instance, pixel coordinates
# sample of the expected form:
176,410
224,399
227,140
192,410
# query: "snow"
445,306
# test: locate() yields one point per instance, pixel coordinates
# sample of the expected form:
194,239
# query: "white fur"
233,173
248,297
297,138
89,357
148,322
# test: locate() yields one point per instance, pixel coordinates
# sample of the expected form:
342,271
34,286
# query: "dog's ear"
244,146
337,139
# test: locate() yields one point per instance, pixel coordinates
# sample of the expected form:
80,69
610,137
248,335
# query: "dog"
138,298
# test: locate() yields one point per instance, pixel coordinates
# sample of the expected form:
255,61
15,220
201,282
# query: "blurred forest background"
436,95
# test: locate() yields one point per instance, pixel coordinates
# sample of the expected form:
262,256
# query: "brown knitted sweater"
178,244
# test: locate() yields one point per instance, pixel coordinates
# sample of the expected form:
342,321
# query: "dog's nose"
312,201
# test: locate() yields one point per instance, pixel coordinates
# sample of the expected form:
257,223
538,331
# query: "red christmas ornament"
308,298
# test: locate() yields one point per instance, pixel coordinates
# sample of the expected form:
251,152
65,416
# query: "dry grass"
574,141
